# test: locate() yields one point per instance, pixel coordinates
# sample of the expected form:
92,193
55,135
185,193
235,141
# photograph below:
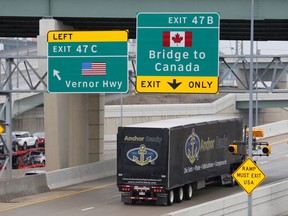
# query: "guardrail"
274,129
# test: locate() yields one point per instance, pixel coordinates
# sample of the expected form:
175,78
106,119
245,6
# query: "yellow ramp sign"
249,175
1,129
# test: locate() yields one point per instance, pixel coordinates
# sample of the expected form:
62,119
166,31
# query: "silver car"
14,140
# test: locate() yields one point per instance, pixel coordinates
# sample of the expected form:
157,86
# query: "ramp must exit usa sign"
249,175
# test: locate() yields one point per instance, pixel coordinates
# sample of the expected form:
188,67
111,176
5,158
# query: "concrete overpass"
263,101
74,123
21,18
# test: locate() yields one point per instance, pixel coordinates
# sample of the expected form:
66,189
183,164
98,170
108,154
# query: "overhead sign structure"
177,52
87,61
248,175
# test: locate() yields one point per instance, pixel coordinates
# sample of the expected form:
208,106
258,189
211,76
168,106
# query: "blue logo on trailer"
142,155
192,147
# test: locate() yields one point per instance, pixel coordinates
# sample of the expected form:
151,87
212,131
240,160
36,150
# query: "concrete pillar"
96,104
73,122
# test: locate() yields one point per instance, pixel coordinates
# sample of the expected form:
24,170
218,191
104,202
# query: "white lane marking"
86,209
115,196
262,162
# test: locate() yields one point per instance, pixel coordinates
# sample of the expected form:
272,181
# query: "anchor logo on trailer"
142,155
192,147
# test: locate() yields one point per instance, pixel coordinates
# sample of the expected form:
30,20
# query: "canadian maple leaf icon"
177,38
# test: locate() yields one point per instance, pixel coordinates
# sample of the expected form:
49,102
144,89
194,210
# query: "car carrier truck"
166,160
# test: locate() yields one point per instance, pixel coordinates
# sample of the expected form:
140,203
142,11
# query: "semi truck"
165,161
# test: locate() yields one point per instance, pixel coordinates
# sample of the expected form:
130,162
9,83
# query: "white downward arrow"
56,73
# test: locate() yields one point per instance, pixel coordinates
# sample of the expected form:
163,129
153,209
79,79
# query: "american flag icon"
93,69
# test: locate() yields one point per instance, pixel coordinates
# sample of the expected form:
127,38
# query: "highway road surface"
102,197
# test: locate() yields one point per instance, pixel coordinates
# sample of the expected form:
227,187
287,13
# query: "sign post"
177,52
87,61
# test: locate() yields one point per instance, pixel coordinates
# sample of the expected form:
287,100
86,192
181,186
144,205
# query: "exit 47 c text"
83,48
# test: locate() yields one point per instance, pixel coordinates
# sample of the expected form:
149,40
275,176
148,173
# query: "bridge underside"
261,104
230,29
21,18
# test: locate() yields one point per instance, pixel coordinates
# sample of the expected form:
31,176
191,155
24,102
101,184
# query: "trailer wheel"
188,192
233,182
179,194
170,198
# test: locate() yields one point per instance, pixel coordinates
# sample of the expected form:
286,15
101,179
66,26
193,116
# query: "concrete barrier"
25,186
132,114
75,175
270,200
275,129
35,184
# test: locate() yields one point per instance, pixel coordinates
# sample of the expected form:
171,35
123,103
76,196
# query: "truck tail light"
158,189
125,188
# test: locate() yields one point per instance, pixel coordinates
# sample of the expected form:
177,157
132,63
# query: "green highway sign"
177,52
87,61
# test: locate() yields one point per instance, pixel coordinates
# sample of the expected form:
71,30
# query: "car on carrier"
38,156
41,138
26,139
14,141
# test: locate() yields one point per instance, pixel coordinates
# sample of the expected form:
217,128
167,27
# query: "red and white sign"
93,68
177,39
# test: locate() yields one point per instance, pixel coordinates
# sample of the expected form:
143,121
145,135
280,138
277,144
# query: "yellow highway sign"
249,175
87,36
176,84
1,129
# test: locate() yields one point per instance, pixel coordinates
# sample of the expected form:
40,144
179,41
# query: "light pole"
251,98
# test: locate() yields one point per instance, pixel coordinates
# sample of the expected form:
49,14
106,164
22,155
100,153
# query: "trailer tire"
188,192
179,195
233,182
170,198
